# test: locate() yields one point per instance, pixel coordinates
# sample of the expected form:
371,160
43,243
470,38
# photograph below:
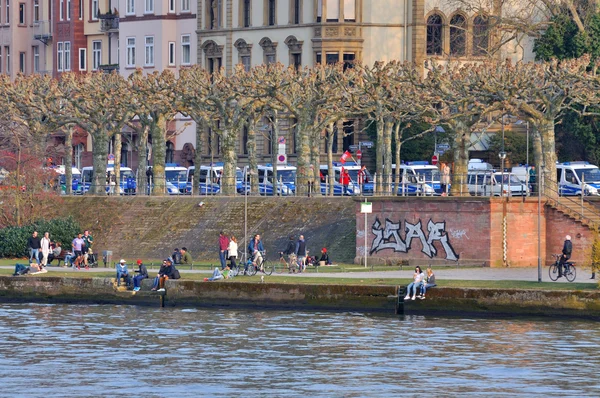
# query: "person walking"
34,244
290,252
77,246
45,247
445,178
223,245
86,249
232,252
301,252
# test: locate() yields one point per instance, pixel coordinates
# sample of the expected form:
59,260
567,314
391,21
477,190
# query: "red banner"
345,156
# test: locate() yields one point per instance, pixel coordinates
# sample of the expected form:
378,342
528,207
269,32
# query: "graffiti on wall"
389,237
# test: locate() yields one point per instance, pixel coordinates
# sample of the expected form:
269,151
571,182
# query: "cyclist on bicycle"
256,249
566,255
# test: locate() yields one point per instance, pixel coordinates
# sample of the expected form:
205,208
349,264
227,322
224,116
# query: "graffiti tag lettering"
389,238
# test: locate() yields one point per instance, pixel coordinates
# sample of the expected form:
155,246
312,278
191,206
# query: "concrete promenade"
487,274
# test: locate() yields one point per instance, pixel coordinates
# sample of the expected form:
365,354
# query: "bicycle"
569,270
263,266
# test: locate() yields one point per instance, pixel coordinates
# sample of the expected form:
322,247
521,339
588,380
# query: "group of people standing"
298,258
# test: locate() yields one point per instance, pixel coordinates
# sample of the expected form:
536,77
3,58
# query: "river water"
88,350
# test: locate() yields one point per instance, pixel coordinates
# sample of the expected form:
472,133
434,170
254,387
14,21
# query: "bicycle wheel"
268,267
571,273
553,271
251,270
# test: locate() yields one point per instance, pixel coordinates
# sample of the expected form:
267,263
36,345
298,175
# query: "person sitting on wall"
418,277
142,273
123,273
428,283
166,272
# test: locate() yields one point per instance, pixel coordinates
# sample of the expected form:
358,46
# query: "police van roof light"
418,163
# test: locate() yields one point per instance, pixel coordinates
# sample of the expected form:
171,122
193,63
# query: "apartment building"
24,34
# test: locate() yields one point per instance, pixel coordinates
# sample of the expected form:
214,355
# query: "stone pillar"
419,32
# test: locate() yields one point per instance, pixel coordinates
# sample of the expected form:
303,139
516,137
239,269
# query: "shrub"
13,240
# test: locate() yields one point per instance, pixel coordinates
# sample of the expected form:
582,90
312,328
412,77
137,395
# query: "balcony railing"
42,31
109,68
109,22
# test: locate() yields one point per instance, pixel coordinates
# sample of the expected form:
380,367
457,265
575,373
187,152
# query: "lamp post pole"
541,172
502,156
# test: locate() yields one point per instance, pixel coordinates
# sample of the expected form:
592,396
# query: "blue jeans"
414,286
427,286
69,259
137,280
222,258
34,254
216,275
125,276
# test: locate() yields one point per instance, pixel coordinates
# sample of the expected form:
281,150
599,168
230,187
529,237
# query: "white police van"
127,185
210,178
62,179
286,179
417,178
575,177
494,183
176,175
353,187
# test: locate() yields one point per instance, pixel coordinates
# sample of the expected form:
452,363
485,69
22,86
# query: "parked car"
488,183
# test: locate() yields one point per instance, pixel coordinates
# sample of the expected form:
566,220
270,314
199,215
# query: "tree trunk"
252,162
142,131
330,172
549,158
315,157
387,158
99,153
461,159
69,161
159,149
117,167
537,156
198,157
397,157
303,157
229,154
379,155
274,130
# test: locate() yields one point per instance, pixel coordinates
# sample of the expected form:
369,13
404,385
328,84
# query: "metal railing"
472,184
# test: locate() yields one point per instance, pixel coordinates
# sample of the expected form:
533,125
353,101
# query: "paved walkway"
488,274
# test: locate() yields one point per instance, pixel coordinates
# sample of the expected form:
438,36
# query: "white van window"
570,177
588,175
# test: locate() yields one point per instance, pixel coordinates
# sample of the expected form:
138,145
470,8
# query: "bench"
60,258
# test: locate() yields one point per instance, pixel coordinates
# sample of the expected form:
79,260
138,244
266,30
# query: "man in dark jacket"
142,273
34,244
290,252
301,253
164,273
566,255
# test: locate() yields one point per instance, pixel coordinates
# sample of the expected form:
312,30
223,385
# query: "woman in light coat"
232,251
45,243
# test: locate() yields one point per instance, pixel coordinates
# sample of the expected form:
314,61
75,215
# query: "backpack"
177,258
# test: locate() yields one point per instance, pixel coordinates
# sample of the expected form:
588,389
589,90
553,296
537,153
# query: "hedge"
13,240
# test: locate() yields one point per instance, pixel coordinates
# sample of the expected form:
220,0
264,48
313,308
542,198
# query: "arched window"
481,35
458,35
125,160
78,151
434,35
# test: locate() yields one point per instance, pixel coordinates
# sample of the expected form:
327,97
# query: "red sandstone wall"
462,225
473,228
560,225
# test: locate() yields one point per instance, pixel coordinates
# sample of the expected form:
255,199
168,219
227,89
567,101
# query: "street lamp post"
502,156
541,172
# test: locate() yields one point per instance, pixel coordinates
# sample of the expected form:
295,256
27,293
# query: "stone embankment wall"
151,227
467,231
380,299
